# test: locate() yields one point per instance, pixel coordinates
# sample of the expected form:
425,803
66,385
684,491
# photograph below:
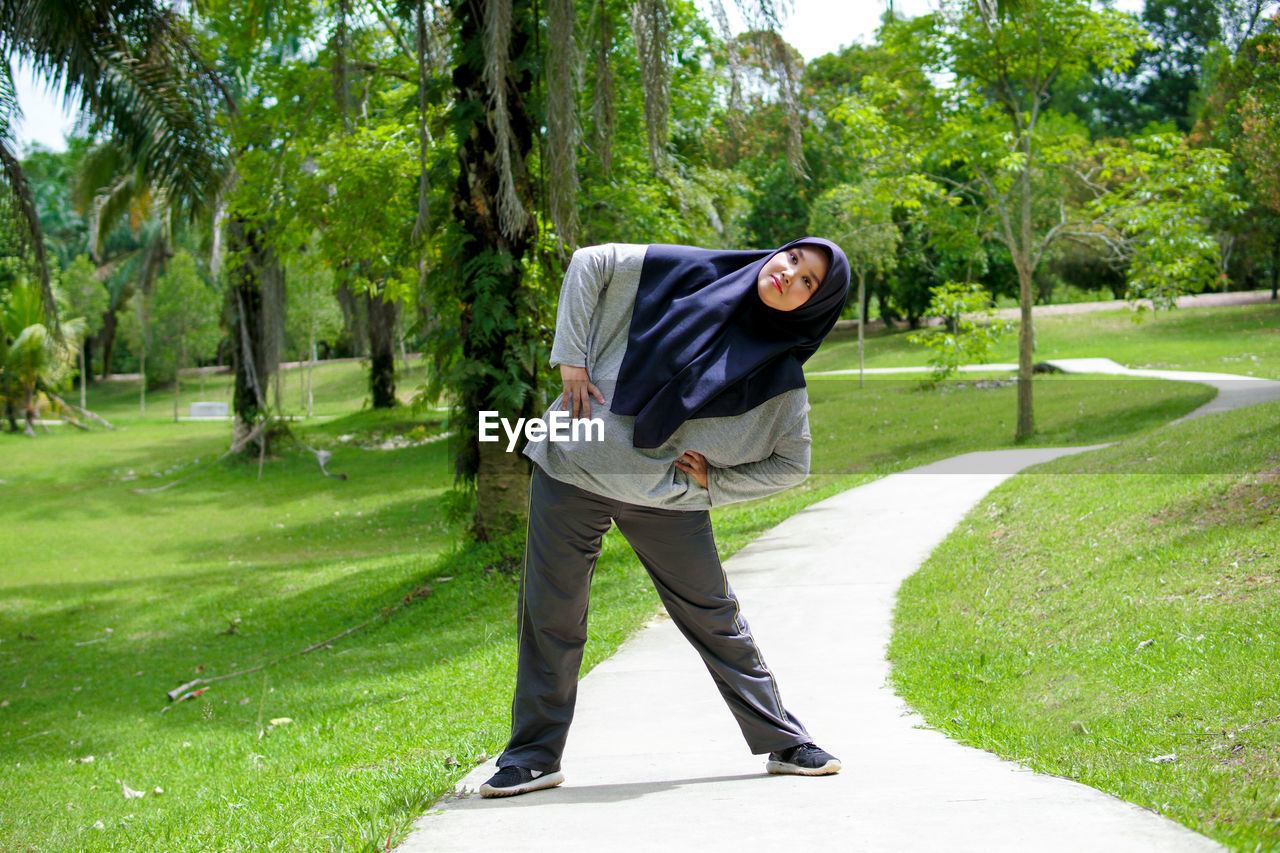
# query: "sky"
814,27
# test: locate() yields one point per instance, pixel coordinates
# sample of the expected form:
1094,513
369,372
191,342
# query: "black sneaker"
509,781
803,760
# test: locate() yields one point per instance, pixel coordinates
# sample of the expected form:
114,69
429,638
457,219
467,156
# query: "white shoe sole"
546,780
785,769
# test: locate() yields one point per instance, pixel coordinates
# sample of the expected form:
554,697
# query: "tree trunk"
1275,264
11,413
498,328
84,345
1021,253
382,350
862,321
311,366
109,324
29,410
1026,343
251,361
177,381
353,317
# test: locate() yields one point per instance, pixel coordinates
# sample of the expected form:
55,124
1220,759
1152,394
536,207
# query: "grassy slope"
1115,607
1242,339
385,719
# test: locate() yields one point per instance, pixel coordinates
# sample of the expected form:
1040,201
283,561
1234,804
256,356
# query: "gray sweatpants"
566,524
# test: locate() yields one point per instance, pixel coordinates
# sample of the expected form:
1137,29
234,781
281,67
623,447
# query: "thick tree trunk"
251,361
496,329
382,350
354,318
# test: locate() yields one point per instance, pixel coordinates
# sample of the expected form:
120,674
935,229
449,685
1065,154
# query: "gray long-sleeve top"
757,453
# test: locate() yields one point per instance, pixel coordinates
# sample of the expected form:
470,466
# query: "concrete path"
655,760
1234,390
1190,300
1195,300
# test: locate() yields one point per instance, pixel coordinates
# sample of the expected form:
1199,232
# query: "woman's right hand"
578,391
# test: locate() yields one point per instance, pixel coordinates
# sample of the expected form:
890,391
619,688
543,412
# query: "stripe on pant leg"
737,614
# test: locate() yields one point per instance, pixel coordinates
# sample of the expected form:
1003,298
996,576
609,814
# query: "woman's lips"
776,283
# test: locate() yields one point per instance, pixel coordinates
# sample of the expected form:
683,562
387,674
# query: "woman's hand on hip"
694,464
578,391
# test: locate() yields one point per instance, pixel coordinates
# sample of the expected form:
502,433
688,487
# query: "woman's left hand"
695,465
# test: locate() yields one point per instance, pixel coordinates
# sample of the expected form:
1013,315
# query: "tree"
1005,58
1258,146
313,311
1154,211
362,195
859,219
87,298
131,66
498,244
968,332
33,358
184,320
494,233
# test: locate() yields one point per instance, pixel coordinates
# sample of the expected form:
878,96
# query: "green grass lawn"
338,388
1114,618
110,598
1243,339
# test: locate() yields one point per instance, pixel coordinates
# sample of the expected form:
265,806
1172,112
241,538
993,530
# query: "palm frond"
513,219
29,231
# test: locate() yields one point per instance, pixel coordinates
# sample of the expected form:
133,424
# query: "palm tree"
133,70
32,358
499,54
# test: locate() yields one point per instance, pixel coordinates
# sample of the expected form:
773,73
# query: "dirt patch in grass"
1253,500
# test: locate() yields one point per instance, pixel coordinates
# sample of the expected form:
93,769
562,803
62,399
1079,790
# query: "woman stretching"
692,358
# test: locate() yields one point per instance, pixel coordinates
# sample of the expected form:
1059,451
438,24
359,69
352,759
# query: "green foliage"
33,359
314,314
968,333
1162,193
184,318
86,295
859,219
362,195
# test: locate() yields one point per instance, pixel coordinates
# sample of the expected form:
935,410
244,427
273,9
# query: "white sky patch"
43,121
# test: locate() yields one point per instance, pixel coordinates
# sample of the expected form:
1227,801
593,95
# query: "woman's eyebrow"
808,259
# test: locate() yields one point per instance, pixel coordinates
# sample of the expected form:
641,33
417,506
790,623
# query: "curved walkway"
655,760
1234,390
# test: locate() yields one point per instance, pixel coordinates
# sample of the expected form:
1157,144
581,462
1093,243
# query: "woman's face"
791,277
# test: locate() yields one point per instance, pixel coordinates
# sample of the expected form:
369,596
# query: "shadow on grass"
417,619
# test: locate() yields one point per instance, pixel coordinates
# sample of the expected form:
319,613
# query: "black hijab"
702,344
